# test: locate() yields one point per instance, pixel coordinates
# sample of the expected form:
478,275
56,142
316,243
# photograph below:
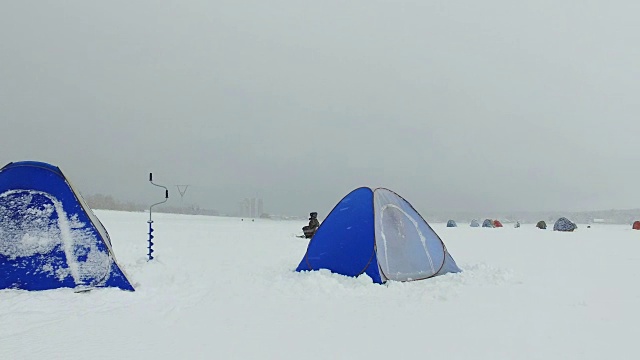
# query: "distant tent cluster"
562,224
49,237
488,223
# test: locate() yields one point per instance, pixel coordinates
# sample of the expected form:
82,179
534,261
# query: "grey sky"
456,105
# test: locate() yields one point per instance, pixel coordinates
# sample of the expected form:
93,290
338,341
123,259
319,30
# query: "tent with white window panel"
378,233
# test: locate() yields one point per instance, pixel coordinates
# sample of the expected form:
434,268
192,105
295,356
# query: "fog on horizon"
456,106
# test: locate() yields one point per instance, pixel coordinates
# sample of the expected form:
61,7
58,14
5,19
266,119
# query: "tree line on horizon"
108,202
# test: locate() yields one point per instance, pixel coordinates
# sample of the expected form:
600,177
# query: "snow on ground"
221,288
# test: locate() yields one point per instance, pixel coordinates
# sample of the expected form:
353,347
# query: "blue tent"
379,233
487,223
474,223
451,223
49,237
564,224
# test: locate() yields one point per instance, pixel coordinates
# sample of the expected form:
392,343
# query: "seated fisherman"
313,226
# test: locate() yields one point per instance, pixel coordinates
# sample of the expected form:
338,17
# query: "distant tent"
379,233
49,237
474,223
541,225
451,223
517,224
487,223
497,223
564,224
636,225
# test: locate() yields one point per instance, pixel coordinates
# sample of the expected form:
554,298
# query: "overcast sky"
456,105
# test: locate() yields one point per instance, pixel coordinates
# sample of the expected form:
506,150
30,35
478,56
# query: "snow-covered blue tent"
564,224
487,223
379,233
49,237
451,223
474,223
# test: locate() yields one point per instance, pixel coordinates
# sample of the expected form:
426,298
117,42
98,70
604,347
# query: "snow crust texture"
36,234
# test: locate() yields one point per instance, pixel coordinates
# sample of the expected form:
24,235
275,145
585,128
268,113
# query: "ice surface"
226,289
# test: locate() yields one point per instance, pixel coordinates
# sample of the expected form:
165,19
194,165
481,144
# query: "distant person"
313,226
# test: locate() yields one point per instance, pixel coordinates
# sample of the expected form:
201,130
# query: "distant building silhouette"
251,207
